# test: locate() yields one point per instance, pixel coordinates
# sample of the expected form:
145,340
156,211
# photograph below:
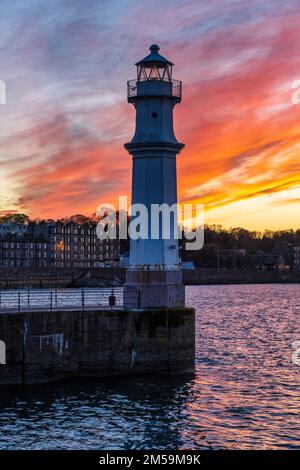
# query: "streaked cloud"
66,64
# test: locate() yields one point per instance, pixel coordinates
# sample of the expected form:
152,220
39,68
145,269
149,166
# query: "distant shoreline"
215,277
240,283
14,278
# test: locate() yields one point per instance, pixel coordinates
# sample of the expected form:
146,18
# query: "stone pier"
47,346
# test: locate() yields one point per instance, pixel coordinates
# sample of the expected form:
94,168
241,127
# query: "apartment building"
68,243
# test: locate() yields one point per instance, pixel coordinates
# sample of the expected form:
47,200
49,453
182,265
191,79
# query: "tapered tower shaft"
154,272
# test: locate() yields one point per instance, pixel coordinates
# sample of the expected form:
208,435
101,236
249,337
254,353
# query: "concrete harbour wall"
47,346
13,278
214,277
23,277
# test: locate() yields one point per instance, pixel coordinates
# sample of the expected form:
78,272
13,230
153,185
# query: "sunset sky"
66,62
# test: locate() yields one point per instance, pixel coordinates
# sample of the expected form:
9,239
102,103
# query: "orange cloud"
62,146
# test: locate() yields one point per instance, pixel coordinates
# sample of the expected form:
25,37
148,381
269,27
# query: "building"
68,243
11,228
73,243
26,251
234,258
154,275
269,261
296,264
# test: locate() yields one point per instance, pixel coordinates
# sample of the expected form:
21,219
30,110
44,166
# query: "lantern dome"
154,66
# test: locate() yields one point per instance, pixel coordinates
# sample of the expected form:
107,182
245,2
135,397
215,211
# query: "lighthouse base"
153,289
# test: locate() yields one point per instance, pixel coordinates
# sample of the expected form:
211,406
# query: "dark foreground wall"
43,347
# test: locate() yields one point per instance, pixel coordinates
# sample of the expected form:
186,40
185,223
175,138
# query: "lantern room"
154,78
154,67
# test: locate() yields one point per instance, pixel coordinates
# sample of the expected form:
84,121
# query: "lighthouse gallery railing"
132,89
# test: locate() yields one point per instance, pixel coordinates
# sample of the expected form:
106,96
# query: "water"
245,393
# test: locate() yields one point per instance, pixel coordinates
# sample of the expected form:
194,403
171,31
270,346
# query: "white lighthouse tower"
154,278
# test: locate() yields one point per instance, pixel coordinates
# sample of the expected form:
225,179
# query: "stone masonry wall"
47,346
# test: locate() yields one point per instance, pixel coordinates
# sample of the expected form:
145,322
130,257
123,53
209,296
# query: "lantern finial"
154,48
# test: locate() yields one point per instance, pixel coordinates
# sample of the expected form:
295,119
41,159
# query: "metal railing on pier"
23,300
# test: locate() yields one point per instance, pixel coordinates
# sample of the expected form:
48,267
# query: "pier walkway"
29,300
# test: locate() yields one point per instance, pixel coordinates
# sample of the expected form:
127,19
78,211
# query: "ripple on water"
245,393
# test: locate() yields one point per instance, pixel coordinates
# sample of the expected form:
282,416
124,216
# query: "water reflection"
129,413
244,369
245,393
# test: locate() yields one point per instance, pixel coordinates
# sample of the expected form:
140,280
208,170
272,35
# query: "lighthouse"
154,277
